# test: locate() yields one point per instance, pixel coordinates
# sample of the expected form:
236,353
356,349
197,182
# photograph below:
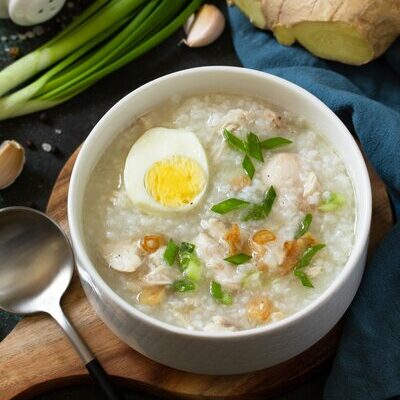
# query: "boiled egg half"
166,171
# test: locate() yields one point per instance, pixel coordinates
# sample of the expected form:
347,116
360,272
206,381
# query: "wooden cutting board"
37,357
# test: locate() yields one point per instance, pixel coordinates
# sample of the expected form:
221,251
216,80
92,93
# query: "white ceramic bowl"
221,353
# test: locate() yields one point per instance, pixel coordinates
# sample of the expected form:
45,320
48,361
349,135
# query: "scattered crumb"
48,148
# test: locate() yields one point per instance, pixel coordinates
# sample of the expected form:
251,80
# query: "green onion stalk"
106,36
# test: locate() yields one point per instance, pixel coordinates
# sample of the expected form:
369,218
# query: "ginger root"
350,31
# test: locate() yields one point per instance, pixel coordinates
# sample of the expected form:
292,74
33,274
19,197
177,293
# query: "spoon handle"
95,369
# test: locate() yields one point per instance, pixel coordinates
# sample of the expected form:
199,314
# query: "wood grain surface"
37,357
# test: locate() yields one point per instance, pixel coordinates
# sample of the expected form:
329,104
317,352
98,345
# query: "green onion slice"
275,142
183,285
185,254
228,205
335,201
304,226
254,213
170,252
248,166
254,147
238,259
307,256
269,200
219,294
194,268
305,261
304,278
234,141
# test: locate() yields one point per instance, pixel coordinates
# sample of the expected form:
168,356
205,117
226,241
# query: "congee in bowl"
219,213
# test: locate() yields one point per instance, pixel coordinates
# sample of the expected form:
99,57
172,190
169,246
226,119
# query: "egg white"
155,145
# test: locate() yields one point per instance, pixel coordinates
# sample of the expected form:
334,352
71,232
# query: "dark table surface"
66,126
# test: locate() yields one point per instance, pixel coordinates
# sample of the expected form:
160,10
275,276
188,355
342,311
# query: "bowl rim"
359,245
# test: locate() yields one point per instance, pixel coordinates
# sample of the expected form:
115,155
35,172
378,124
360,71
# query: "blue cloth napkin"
367,99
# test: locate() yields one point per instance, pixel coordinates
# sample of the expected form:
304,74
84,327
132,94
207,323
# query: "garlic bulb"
207,26
12,160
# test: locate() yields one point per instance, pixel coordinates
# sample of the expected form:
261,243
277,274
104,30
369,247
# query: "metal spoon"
36,266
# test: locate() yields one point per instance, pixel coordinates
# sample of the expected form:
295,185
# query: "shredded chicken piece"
259,309
159,273
292,178
220,324
234,239
274,118
294,250
123,256
237,118
151,295
215,228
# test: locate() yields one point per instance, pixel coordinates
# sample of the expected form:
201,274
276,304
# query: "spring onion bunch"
106,36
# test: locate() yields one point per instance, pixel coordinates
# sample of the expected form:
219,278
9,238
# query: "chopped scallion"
254,213
194,268
304,278
335,201
248,166
269,200
219,294
305,261
274,143
304,226
238,259
229,205
307,256
184,254
170,252
234,141
254,148
183,285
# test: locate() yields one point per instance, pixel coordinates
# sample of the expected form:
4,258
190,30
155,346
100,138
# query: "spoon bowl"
36,261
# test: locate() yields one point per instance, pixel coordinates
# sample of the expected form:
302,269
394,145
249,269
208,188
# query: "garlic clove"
187,26
208,25
12,160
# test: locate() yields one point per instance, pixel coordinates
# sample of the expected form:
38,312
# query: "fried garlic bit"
263,236
259,309
294,249
151,243
151,295
234,239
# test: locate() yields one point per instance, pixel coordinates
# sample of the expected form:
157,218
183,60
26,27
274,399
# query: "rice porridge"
219,213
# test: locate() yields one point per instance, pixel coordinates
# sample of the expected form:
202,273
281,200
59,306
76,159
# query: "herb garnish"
235,142
254,148
248,166
170,252
238,259
269,200
335,201
305,261
275,142
260,211
304,226
183,285
229,205
219,294
254,213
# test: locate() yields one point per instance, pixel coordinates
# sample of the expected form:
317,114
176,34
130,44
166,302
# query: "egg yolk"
175,182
